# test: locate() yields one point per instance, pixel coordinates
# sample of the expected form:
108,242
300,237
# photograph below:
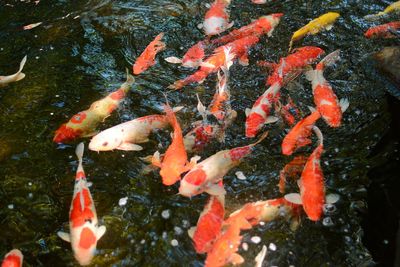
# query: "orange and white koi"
174,162
259,114
293,169
209,224
294,64
224,250
325,99
300,133
213,63
19,75
147,58
126,136
84,123
217,18
205,176
192,58
83,224
288,112
263,25
383,31
14,258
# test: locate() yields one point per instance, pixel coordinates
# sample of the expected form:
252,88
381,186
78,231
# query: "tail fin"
329,60
263,136
79,153
344,104
318,132
129,78
171,116
201,108
20,75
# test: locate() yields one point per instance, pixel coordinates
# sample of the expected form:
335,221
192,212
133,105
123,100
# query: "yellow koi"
394,7
315,26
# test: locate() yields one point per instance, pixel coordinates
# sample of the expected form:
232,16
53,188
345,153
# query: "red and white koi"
213,63
205,176
209,224
299,135
325,99
259,114
217,18
383,31
147,58
83,224
84,123
192,58
294,64
263,25
201,135
126,136
174,162
19,75
14,258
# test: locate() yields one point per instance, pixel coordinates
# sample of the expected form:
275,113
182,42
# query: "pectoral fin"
173,60
332,198
215,190
64,236
271,119
191,231
101,230
129,147
294,198
247,111
236,259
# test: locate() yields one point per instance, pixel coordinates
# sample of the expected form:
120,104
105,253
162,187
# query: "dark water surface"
73,61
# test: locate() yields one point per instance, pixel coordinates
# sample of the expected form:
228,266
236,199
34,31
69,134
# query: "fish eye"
105,144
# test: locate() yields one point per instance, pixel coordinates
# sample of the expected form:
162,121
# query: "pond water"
79,54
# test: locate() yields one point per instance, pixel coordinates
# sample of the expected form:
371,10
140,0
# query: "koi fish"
14,258
315,26
217,18
224,250
311,184
19,75
259,2
174,162
213,63
31,26
127,135
383,31
263,25
292,169
300,133
202,134
83,224
288,112
147,58
84,123
205,176
259,114
324,98
209,224
294,64
394,7
192,58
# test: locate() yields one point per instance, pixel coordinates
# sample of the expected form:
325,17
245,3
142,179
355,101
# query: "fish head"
192,183
214,25
309,52
254,122
370,33
65,134
84,246
13,258
107,140
270,21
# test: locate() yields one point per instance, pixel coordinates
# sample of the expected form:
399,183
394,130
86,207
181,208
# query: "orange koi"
299,134
217,18
147,58
14,258
174,162
84,123
213,63
209,224
292,169
383,31
263,25
325,99
291,66
83,224
205,176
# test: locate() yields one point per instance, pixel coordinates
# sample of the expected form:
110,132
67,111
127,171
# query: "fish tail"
171,115
318,132
20,75
263,136
329,60
79,153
